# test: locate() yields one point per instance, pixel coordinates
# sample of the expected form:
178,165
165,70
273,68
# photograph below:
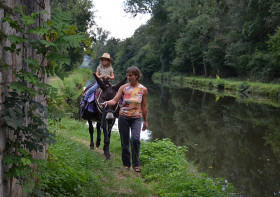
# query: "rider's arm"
112,76
99,75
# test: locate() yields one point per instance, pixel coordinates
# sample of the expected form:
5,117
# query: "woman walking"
134,106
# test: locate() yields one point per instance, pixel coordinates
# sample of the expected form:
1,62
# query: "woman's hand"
144,127
102,104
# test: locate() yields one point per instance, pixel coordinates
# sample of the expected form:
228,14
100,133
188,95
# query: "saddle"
92,109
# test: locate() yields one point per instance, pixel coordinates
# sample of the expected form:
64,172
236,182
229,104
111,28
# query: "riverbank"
242,90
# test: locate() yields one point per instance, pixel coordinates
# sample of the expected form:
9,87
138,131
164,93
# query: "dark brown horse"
105,118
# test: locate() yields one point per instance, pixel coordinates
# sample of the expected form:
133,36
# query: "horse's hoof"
107,156
97,146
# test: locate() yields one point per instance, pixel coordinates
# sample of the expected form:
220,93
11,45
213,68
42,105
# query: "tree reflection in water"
235,140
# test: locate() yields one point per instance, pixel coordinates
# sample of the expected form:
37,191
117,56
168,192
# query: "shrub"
220,85
165,164
68,171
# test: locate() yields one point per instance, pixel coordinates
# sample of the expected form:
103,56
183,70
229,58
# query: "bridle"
102,110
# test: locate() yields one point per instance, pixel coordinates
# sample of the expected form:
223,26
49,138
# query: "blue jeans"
90,91
125,124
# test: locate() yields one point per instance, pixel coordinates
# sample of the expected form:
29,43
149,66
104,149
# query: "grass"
74,169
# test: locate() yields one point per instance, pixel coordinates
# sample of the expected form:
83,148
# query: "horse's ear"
99,82
122,82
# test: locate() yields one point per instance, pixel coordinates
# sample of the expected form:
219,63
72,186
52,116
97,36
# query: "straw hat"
106,56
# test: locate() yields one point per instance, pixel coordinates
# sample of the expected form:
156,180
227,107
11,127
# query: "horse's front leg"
106,141
90,130
98,138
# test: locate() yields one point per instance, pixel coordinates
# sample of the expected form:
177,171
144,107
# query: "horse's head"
108,92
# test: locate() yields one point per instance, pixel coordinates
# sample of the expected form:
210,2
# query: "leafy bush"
70,89
68,171
220,85
166,166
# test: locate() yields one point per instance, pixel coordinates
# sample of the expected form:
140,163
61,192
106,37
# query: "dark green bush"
166,165
220,85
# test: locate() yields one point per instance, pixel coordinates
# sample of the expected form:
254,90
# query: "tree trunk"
194,70
204,60
8,186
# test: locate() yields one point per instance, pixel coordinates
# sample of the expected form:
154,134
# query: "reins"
104,112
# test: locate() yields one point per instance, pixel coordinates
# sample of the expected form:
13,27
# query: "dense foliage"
22,113
225,37
82,18
62,176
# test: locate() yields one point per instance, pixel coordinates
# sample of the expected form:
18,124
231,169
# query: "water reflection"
144,135
226,138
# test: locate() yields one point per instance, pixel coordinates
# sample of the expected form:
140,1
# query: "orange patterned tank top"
132,98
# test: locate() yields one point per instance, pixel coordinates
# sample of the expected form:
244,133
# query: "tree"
193,42
98,45
83,19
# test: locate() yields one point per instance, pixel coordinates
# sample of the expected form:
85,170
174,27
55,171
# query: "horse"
105,118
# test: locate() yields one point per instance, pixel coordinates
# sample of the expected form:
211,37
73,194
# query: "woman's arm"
144,109
116,99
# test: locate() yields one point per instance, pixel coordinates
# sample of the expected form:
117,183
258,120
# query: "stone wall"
6,77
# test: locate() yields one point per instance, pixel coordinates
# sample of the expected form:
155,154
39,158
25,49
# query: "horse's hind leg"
98,138
90,130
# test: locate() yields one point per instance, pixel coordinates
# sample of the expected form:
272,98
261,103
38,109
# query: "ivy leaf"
9,49
4,67
11,159
46,43
36,14
17,39
27,20
38,30
59,59
32,63
26,161
29,77
14,24
18,86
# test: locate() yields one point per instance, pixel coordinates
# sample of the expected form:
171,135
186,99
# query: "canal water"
228,138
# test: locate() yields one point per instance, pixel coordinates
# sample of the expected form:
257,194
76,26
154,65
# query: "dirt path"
121,176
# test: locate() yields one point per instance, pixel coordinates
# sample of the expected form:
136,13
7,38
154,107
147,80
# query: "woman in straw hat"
104,71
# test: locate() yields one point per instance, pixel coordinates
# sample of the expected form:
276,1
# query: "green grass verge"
75,170
166,168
